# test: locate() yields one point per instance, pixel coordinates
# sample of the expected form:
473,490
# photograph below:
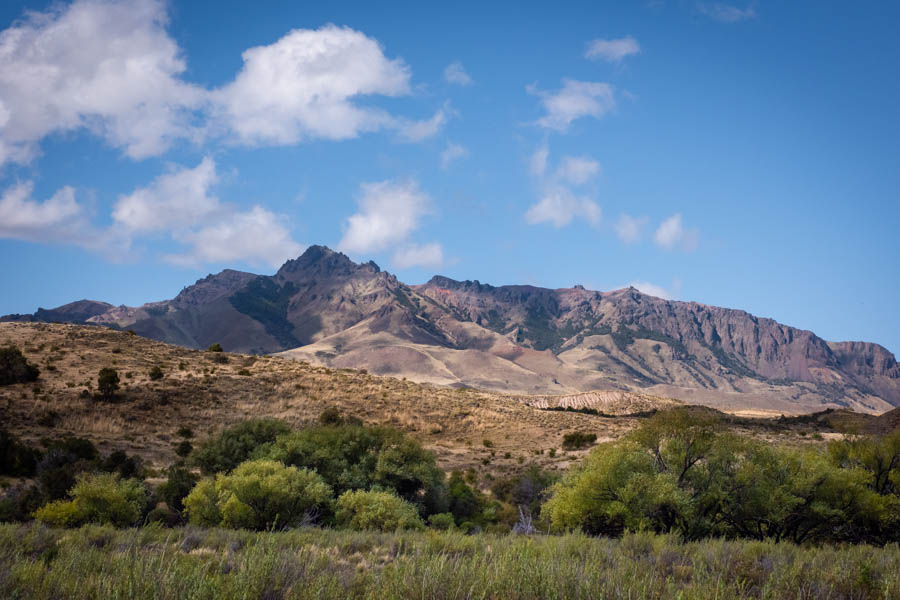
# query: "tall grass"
101,562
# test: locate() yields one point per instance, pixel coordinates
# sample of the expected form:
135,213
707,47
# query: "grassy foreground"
102,562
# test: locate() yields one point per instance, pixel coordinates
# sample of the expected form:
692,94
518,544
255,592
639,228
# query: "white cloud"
629,228
304,86
389,211
558,206
651,289
456,73
726,13
451,153
109,67
177,199
416,131
59,219
538,162
577,170
612,50
256,236
576,99
671,234
427,255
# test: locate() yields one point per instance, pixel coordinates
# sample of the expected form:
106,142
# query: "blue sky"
742,155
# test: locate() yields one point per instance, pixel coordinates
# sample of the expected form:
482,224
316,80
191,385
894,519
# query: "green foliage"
352,457
331,416
126,466
527,489
383,511
14,368
217,347
465,502
108,383
183,448
97,498
679,473
155,373
259,494
441,521
578,439
236,444
177,486
16,458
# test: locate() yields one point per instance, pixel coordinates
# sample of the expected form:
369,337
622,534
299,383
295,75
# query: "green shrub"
179,484
577,440
17,459
217,347
14,368
97,498
441,521
361,510
156,373
331,416
236,444
126,466
108,383
352,457
259,494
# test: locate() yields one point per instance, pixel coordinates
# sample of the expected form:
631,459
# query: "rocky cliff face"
515,338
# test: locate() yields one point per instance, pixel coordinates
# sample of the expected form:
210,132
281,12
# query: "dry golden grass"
200,393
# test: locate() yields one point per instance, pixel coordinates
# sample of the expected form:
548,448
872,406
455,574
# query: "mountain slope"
324,308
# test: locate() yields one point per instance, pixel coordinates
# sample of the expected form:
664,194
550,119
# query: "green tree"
236,444
108,383
97,498
177,486
259,494
14,368
383,511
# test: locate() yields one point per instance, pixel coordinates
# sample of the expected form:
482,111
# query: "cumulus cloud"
59,219
612,50
575,100
456,73
427,255
671,234
577,170
181,204
558,206
389,211
256,236
629,228
452,153
726,13
305,84
109,67
176,199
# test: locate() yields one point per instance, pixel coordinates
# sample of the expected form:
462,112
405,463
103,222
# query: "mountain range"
324,308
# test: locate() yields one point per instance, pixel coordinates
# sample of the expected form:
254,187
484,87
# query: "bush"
97,498
577,440
351,457
217,347
441,521
179,484
19,503
361,510
236,444
156,373
183,448
17,459
259,494
331,416
126,466
14,368
108,383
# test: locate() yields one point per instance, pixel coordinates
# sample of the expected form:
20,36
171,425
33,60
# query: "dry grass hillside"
208,391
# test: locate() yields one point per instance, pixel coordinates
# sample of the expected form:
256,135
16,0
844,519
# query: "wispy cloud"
558,205
651,289
726,13
451,154
672,234
576,99
629,228
612,50
455,73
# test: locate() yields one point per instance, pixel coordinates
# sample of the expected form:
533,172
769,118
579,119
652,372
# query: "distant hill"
324,308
